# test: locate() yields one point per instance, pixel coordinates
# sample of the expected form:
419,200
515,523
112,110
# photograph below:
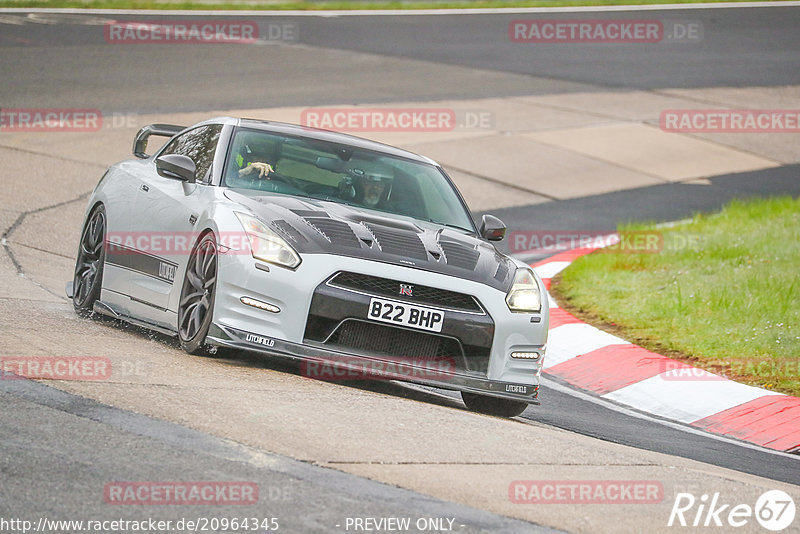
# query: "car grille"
384,287
393,341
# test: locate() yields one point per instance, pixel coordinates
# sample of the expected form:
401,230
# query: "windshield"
334,172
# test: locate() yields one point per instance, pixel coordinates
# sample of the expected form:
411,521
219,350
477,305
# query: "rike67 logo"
774,510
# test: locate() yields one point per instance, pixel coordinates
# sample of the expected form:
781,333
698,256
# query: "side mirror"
176,167
492,228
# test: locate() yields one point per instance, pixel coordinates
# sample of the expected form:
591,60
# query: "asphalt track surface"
70,66
59,64
63,481
658,203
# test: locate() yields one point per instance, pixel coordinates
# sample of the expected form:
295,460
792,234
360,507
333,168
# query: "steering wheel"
272,175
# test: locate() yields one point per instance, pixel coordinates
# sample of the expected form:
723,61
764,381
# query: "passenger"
248,163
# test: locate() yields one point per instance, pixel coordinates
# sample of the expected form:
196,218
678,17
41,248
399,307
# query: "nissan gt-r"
356,258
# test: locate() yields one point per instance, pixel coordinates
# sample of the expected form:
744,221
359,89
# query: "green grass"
327,4
724,293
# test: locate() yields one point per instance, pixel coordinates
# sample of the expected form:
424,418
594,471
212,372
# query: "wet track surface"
53,441
36,422
67,60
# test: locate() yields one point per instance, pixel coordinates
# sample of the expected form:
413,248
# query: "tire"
88,278
493,405
196,305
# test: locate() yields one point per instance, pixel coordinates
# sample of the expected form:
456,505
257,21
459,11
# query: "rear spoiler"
161,130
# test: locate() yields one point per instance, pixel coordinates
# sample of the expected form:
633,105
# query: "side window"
198,144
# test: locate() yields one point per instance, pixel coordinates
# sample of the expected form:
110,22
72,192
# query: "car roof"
329,136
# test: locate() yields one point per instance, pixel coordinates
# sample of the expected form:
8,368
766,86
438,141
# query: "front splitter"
339,365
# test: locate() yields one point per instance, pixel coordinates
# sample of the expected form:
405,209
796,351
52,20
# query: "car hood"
314,226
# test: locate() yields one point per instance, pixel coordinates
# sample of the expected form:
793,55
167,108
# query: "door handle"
145,188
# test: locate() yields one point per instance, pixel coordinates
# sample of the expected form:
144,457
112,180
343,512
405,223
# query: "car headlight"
266,245
524,297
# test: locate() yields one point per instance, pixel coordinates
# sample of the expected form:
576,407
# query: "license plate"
401,313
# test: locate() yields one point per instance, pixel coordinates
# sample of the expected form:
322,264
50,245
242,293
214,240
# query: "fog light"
526,355
260,305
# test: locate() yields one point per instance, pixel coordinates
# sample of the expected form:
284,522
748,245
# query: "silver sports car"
355,258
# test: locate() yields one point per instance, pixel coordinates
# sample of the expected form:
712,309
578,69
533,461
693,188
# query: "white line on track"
410,12
669,395
556,386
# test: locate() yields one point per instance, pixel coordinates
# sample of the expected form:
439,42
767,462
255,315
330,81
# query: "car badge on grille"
406,289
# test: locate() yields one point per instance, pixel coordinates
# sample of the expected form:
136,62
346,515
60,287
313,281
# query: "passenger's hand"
262,168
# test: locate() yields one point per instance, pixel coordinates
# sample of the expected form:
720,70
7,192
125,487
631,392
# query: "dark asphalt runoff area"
658,203
561,408
68,63
58,452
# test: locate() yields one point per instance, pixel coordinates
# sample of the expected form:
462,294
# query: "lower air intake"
391,341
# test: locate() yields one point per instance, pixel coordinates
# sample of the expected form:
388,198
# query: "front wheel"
196,306
88,278
493,405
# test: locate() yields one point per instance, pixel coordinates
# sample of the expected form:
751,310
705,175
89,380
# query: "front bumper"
337,321
353,365
499,331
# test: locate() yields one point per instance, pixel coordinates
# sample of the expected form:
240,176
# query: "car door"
164,217
118,189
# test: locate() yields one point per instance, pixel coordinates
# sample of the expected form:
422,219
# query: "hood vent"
502,270
287,230
310,213
338,233
398,242
459,254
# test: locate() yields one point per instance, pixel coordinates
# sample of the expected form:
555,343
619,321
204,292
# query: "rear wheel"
196,306
88,278
493,405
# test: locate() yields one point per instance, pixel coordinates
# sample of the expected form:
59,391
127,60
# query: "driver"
373,186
